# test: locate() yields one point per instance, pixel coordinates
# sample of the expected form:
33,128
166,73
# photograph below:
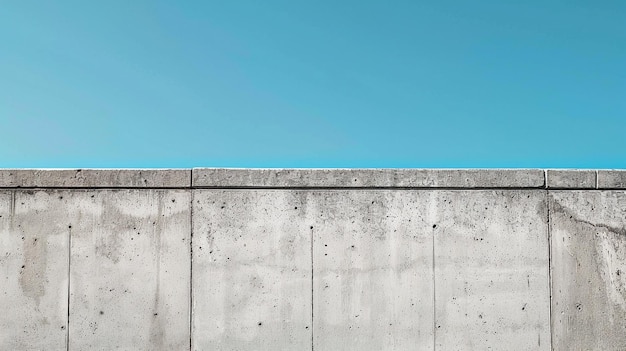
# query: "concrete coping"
95,178
367,178
314,178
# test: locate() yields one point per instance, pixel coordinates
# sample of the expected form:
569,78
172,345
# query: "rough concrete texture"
251,270
612,179
34,252
95,178
491,270
373,273
570,179
365,178
312,259
588,269
130,268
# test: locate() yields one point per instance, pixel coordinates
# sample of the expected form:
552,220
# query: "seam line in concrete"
363,188
69,285
92,188
191,272
312,295
549,268
434,296
311,188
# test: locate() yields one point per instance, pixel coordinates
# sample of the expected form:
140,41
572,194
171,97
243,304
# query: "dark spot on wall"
434,226
260,323
101,312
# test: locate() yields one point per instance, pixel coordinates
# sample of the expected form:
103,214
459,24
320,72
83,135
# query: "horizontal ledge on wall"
299,178
95,178
367,178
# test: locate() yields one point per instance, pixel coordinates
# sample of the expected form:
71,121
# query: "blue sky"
313,84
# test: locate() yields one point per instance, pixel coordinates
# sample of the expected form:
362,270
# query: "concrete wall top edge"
368,178
95,178
314,178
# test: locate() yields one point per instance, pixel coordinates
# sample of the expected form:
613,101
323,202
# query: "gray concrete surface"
95,178
367,178
611,179
34,263
130,268
491,270
588,269
303,259
252,270
571,179
373,273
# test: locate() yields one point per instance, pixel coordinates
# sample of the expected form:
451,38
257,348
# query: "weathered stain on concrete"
251,271
491,270
373,274
588,269
130,269
349,259
34,255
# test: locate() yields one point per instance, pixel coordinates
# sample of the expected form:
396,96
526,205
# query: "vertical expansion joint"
550,267
191,269
434,296
69,290
312,295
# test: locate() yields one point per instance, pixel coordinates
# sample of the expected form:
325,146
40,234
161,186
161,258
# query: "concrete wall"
238,259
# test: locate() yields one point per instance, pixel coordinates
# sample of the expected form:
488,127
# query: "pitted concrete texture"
130,268
571,179
95,178
312,259
612,179
368,178
588,269
373,273
491,270
34,253
252,270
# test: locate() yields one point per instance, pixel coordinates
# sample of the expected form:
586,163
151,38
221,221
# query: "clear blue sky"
362,83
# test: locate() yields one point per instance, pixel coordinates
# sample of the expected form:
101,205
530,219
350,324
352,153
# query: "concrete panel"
612,179
368,178
130,268
491,270
373,273
95,178
34,253
588,269
570,179
251,270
